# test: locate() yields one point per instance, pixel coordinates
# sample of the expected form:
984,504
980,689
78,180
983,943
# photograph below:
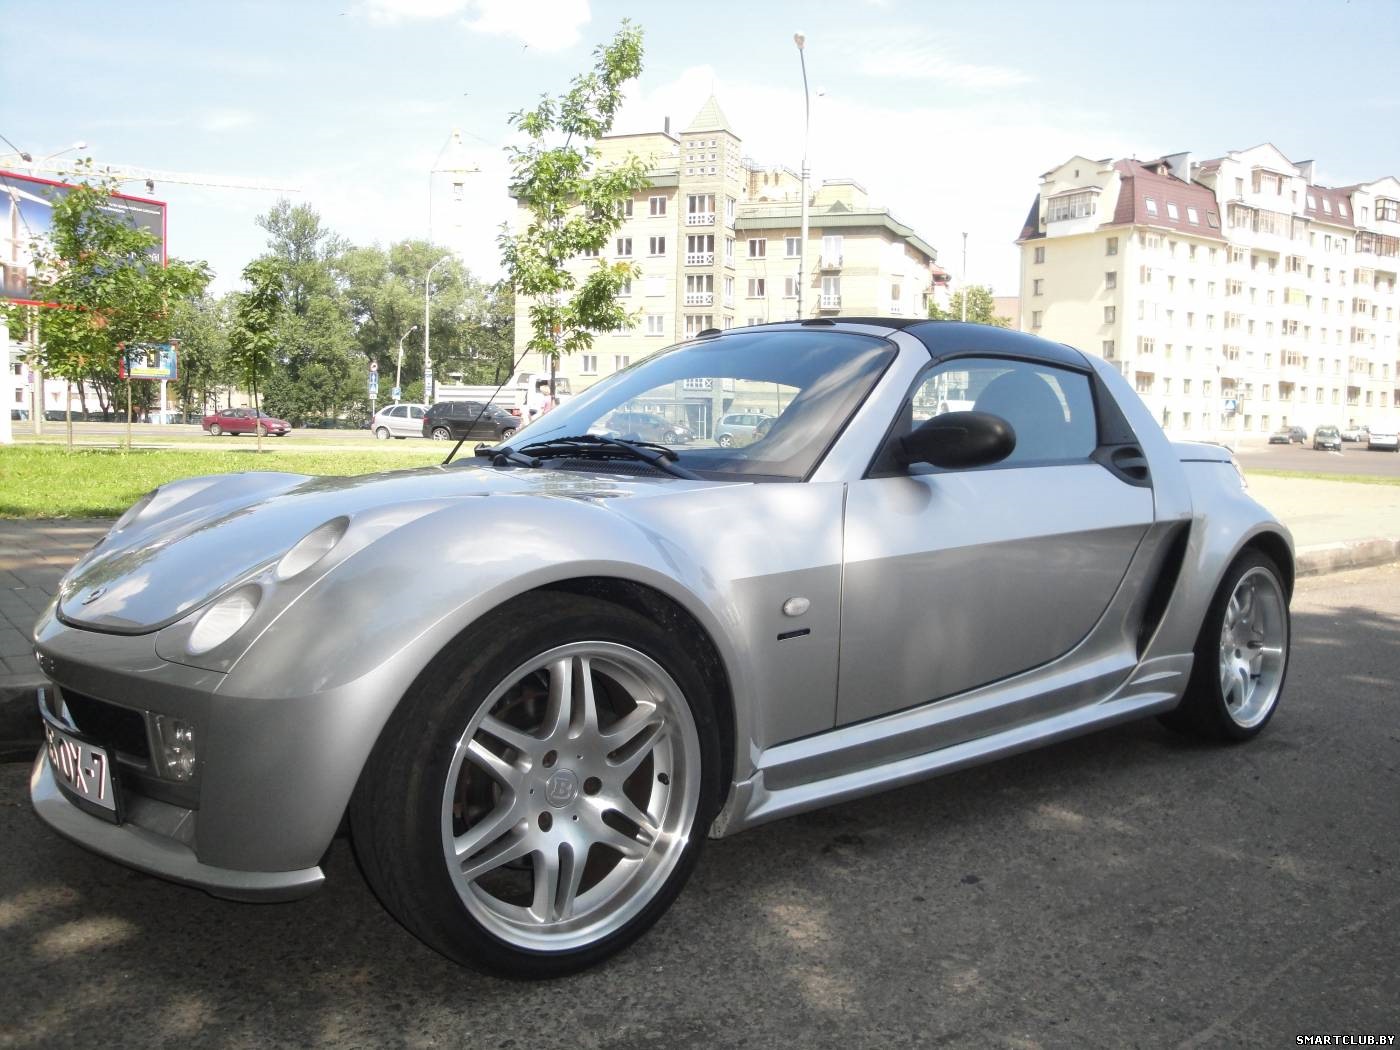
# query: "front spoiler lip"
154,854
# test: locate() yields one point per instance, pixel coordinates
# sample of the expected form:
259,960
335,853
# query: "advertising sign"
148,361
26,216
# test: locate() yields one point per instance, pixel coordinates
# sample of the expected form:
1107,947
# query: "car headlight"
311,548
222,620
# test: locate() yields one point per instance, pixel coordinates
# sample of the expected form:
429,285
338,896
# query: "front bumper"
155,850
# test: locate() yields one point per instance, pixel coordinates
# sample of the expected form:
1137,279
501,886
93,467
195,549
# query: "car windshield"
807,381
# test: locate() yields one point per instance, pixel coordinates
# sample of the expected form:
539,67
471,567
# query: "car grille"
120,728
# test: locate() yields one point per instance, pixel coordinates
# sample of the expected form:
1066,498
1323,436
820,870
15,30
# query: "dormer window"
1150,205
1172,212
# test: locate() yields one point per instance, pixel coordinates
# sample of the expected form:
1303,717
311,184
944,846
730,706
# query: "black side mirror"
957,439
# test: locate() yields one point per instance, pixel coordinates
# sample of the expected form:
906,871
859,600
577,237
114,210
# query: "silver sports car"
533,682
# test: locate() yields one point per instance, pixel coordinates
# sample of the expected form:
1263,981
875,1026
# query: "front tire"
542,794
1241,655
725,441
215,430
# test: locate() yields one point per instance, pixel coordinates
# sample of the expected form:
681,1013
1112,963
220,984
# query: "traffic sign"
396,393
374,366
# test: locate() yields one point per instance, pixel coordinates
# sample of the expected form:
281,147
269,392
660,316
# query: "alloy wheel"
1253,646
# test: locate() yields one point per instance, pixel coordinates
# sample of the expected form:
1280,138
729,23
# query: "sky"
947,113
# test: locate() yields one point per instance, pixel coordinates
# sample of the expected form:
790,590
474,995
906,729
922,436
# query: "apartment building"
1236,294
717,238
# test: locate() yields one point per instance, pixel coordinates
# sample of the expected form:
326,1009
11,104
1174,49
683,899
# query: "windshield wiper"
589,446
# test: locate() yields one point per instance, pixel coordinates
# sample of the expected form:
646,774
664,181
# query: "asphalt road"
1353,459
1126,889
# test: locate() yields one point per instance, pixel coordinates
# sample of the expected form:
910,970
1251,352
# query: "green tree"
573,203
981,308
202,326
102,275
256,321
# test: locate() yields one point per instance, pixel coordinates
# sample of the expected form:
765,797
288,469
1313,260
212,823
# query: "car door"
396,419
413,426
239,421
958,578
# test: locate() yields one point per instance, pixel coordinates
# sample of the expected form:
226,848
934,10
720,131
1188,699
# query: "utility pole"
801,41
398,372
428,330
964,280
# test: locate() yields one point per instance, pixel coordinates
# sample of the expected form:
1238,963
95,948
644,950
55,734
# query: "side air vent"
1168,571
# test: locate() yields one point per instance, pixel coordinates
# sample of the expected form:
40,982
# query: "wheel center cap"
561,788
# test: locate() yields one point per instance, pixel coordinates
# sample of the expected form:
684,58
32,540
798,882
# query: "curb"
19,710
1324,558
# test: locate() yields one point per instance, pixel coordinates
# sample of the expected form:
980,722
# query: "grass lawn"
1358,479
47,481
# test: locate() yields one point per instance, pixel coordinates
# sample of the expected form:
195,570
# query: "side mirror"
957,439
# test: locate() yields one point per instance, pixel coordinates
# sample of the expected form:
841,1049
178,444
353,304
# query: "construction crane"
124,173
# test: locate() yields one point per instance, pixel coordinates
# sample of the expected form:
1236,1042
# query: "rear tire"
381,433
478,818
1241,655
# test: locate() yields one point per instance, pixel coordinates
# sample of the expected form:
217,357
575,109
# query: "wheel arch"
1280,552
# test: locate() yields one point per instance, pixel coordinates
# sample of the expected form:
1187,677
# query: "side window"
415,412
1051,409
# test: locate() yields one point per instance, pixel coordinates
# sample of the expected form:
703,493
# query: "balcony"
699,258
700,218
831,262
699,298
831,301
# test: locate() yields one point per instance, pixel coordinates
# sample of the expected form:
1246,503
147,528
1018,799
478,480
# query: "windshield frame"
872,354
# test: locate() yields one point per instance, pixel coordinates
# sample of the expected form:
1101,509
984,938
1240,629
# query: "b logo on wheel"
561,788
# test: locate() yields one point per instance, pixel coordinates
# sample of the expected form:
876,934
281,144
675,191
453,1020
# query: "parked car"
1327,437
399,421
455,420
1354,433
1288,435
20,414
737,428
237,421
1383,437
643,426
611,653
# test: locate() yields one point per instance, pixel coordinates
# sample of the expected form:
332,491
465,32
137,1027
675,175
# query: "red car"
237,421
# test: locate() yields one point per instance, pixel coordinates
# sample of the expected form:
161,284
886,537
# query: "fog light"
177,757
222,620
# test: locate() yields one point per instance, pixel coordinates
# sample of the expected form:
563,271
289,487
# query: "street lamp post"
964,279
398,372
428,330
800,40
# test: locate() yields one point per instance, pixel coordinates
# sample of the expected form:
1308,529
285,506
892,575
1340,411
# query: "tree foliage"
573,204
257,319
981,307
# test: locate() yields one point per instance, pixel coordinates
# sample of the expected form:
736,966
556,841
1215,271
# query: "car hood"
190,540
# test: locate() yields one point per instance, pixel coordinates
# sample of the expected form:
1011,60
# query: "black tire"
396,812
215,430
1203,711
382,433
507,432
441,434
725,441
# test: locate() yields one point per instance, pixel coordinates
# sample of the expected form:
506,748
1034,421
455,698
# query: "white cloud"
549,25
225,119
921,59
940,169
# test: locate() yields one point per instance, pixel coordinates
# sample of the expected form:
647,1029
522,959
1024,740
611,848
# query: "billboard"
26,214
148,361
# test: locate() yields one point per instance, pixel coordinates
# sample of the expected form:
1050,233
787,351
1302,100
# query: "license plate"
82,769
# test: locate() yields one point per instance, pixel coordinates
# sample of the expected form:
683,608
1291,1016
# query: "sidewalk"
1336,525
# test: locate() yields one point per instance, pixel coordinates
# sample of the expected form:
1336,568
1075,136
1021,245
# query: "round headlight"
222,620
311,548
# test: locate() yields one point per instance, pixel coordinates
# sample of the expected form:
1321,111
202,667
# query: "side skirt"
774,792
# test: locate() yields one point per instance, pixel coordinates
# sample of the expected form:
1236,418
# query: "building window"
831,250
1035,318
729,250
1387,210
754,321
831,292
588,363
1150,205
789,287
624,247
1040,253
756,287
758,248
1193,216
1111,246
1038,286
729,210
656,324
590,253
1110,314
621,361
700,249
792,244
1110,279
699,208
697,323
1078,205
657,245
1172,212
658,205
626,209
625,287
